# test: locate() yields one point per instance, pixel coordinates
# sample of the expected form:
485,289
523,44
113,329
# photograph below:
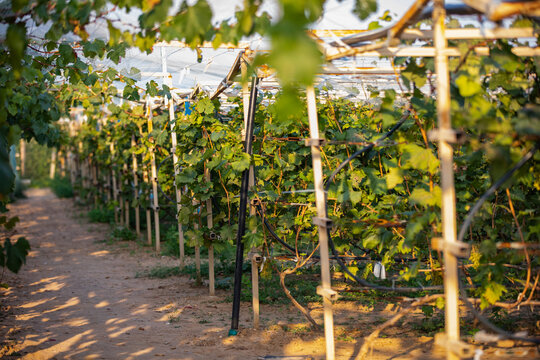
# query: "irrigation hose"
242,210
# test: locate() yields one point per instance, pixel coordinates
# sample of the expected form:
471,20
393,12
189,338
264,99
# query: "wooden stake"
255,291
126,200
22,151
197,248
52,171
120,199
148,212
135,188
210,224
154,178
447,178
114,188
95,183
177,190
62,164
320,199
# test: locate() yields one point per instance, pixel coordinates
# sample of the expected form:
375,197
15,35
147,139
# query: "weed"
123,234
430,325
101,215
298,330
159,272
343,335
61,187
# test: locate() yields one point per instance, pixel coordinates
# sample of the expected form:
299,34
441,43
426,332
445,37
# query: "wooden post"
322,221
22,154
52,171
72,170
114,188
120,198
197,248
148,212
62,157
154,178
448,207
109,186
126,199
177,190
255,287
95,184
135,188
210,223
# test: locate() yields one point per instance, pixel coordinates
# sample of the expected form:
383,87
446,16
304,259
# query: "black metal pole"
242,211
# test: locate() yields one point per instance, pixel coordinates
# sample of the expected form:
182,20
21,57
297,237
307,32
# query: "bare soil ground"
78,298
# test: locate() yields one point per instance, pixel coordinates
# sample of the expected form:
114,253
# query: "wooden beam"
472,33
413,51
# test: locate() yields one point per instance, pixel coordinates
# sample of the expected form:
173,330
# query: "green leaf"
371,241
7,176
242,163
67,53
420,196
394,177
416,157
468,86
492,293
205,106
364,8
16,42
16,254
376,184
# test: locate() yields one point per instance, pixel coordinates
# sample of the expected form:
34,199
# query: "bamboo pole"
320,198
210,224
135,188
154,178
447,178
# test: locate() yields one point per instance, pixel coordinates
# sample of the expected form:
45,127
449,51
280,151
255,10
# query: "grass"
123,234
159,272
61,186
101,215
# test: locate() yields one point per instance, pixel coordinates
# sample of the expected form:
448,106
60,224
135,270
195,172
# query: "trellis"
445,136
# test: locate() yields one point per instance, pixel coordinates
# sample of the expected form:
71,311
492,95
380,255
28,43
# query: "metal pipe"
242,211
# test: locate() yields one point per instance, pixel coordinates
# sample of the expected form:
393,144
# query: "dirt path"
78,298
